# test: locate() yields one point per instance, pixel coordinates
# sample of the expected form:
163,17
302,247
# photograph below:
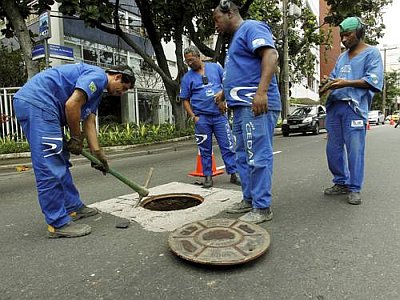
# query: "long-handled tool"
146,185
142,191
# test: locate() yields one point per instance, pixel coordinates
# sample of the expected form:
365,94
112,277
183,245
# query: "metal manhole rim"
169,195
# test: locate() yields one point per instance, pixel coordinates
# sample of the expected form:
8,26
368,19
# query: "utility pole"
384,79
285,66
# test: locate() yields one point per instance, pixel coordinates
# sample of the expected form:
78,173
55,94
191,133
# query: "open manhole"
174,201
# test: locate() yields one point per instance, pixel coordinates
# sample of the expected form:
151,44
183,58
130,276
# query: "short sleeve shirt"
201,94
368,66
243,66
50,89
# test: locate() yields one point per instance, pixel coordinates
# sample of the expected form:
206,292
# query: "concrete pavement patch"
216,200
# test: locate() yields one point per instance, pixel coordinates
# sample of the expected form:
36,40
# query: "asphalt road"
322,247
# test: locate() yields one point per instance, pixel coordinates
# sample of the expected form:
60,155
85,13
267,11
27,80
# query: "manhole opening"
168,202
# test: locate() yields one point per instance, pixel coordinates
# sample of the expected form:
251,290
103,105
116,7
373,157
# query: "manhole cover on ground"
174,201
219,242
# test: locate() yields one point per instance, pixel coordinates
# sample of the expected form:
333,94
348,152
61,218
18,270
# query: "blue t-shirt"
202,95
243,66
50,89
366,65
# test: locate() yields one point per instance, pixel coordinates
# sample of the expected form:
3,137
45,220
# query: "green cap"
349,24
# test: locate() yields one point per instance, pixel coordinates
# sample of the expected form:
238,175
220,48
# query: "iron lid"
219,242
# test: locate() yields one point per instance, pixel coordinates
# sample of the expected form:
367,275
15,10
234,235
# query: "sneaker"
83,212
69,230
354,198
239,208
208,182
235,179
257,215
337,189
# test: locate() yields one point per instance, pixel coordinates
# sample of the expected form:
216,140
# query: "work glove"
103,167
75,144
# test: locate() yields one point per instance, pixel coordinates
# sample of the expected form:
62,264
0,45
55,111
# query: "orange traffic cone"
199,167
368,126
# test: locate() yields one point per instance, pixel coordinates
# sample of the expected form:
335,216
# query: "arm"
188,108
89,128
73,111
269,58
341,83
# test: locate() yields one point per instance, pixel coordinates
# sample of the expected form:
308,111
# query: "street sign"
44,26
56,51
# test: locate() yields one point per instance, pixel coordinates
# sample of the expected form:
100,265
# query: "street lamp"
293,11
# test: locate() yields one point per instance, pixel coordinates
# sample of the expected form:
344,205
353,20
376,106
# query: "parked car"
376,117
305,119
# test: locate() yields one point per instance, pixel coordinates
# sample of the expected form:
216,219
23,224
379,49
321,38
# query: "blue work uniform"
40,109
347,116
201,94
253,135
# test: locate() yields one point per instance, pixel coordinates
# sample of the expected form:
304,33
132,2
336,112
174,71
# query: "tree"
15,13
12,71
392,80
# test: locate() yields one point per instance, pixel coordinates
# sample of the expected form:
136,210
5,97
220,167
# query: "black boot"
235,179
208,182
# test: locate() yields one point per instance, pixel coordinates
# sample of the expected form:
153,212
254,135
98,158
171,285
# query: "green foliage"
392,80
10,145
115,135
130,134
12,68
369,10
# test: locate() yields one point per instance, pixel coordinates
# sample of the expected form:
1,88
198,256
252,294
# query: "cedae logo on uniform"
258,42
357,123
92,87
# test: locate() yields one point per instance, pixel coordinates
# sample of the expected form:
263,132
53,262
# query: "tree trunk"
21,31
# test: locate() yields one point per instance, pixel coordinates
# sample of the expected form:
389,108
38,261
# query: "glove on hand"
75,145
99,154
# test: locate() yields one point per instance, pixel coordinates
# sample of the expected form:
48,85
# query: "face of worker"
349,39
222,21
193,61
116,87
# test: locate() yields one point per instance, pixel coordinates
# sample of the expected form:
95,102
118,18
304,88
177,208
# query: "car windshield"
373,113
304,111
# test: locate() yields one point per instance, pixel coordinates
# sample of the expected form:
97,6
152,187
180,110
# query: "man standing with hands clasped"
357,76
251,90
58,97
199,88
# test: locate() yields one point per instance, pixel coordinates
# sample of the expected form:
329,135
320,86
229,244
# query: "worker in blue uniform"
199,87
356,77
251,90
58,97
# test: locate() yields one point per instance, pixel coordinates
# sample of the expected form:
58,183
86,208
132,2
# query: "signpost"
54,51
45,34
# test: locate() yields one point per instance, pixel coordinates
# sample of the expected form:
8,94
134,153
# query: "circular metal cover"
219,241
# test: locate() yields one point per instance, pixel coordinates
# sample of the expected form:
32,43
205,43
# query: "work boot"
83,212
354,198
208,182
235,179
239,208
69,230
337,189
257,215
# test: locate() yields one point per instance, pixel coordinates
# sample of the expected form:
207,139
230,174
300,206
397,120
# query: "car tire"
316,129
285,133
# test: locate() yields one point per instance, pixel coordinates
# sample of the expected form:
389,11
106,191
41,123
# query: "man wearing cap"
357,76
58,97
199,87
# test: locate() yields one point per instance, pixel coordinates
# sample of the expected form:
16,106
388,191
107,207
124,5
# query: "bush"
115,135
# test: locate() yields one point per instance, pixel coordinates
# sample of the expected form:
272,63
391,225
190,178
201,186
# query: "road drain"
175,201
